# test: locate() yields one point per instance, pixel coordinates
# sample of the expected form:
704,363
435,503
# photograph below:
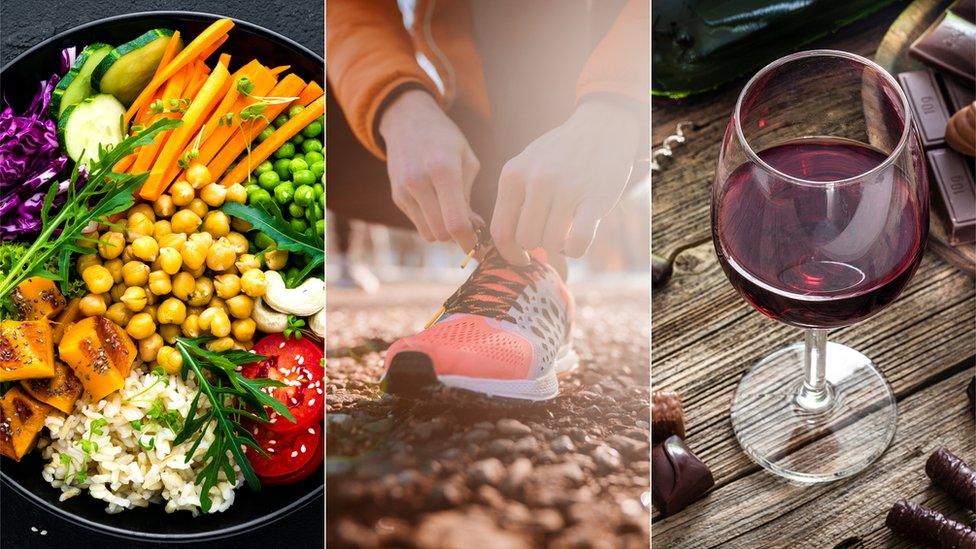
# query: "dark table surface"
23,25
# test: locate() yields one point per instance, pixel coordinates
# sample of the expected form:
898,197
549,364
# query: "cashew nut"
305,300
317,323
267,320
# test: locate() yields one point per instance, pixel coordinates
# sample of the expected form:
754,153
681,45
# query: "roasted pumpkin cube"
26,349
37,298
60,391
100,353
70,315
21,420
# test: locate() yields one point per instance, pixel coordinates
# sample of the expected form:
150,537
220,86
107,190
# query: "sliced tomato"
298,364
291,456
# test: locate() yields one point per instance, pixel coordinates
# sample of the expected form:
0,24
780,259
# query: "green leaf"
284,236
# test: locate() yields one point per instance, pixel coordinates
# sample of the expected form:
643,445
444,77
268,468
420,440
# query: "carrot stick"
289,86
214,47
214,88
261,153
192,51
263,83
280,69
171,48
122,165
147,153
200,73
311,92
226,105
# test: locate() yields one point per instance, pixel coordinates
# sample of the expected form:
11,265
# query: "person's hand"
431,168
556,191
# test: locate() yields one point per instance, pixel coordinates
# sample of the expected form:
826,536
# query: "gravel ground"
461,470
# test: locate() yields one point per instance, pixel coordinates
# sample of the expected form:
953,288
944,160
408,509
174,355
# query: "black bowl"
250,509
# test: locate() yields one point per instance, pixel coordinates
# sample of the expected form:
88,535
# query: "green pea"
304,195
318,169
319,211
285,151
297,164
318,189
265,166
313,130
314,156
299,225
281,120
310,214
260,196
265,133
281,168
284,192
320,227
295,210
269,180
298,139
293,111
304,177
291,274
262,241
312,145
250,188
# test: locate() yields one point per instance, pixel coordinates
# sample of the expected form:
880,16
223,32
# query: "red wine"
820,254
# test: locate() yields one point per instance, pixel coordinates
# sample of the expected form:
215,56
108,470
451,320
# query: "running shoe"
505,332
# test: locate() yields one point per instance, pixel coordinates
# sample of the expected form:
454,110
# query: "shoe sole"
411,373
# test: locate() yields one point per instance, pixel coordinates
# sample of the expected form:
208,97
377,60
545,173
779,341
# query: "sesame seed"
311,431
311,402
43,532
272,442
33,528
294,454
281,345
270,450
303,448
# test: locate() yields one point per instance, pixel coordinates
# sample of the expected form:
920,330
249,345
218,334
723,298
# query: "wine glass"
819,219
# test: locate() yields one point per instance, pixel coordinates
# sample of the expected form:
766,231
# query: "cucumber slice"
96,121
126,70
76,84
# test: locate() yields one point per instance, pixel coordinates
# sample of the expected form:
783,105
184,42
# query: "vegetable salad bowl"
250,509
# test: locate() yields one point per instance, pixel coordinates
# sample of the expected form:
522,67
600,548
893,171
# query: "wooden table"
705,337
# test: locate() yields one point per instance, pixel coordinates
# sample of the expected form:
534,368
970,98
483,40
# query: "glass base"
814,446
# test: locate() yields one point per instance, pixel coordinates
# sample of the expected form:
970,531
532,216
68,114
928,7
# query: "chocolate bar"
667,416
960,94
956,188
949,45
678,477
953,475
925,100
927,526
965,9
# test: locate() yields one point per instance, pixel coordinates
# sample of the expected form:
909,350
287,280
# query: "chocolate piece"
971,391
660,271
927,105
957,190
953,475
959,93
678,477
965,9
948,45
927,526
667,416
961,132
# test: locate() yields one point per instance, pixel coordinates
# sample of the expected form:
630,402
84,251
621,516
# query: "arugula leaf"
284,236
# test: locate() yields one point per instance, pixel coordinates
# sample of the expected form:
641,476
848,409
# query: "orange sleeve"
370,56
621,62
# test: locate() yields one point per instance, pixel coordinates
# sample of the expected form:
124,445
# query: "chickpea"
163,206
149,347
162,228
198,175
236,193
183,285
87,241
221,344
185,221
216,223
254,283
118,313
198,272
144,209
140,326
169,359
173,240
150,310
138,225
117,292
246,262
217,303
220,325
194,310
114,267
194,254
106,298
240,225
276,259
191,326
202,237
205,318
110,244
170,260
240,306
227,285
171,311
214,195
159,283
182,193
87,260
202,292
98,279
151,299
146,248
221,256
169,332
198,206
134,298
238,242
135,273
243,329
92,305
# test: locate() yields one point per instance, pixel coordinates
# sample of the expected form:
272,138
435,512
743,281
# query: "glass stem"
815,396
